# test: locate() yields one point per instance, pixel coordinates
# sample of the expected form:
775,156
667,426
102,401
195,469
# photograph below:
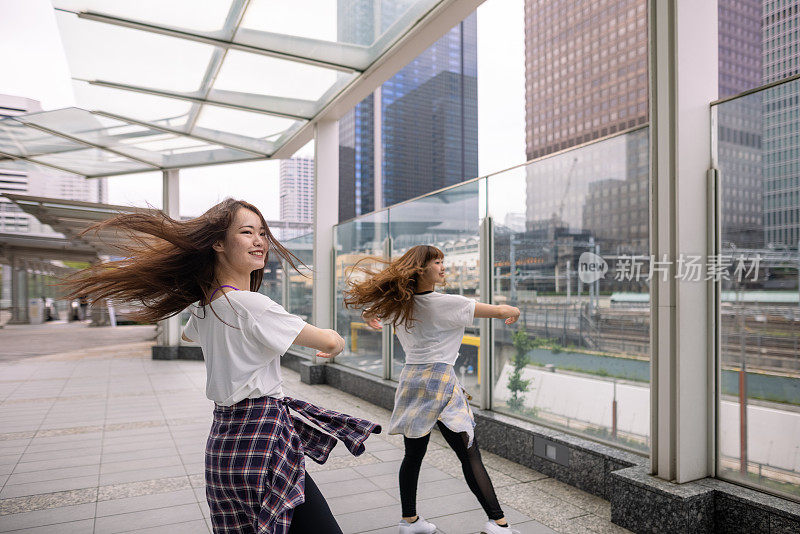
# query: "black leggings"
471,463
313,516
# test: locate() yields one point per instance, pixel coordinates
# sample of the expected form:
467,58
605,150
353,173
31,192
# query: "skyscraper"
780,112
586,78
739,122
585,71
296,192
425,116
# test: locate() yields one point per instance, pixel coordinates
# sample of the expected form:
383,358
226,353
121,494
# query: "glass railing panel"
357,240
758,153
300,293
571,246
272,284
449,221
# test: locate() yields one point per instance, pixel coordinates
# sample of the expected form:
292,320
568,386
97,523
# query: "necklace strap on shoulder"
220,287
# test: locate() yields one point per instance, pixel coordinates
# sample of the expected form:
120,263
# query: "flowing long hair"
168,264
389,293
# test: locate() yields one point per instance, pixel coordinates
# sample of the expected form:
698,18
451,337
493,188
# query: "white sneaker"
493,528
420,526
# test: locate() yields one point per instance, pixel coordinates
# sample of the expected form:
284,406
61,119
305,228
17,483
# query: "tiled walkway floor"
107,440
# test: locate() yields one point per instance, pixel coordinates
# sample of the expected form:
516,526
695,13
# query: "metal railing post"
486,284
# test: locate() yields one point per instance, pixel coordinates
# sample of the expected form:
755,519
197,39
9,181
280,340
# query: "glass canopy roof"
162,85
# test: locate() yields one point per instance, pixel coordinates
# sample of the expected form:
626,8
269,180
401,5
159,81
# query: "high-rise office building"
296,192
780,111
586,78
41,182
426,118
739,122
585,71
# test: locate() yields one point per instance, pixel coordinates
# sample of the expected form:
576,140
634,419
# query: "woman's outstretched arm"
500,311
328,342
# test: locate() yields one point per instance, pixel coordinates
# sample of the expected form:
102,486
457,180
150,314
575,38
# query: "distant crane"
559,219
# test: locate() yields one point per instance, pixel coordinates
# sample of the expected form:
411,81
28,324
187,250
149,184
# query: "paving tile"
138,454
71,527
41,465
382,468
360,502
356,522
147,518
56,446
389,454
52,516
66,452
337,475
347,487
144,463
450,504
145,502
190,527
160,442
50,486
26,477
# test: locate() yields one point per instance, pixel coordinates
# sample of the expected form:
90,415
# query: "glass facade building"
425,115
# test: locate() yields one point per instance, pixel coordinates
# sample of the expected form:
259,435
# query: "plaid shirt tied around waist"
255,466
426,393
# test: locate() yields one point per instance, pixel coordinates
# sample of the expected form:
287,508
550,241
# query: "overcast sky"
34,66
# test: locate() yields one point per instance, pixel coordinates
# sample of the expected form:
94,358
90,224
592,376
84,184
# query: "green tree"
518,386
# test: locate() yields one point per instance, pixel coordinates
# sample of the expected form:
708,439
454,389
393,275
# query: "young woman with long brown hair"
255,470
430,326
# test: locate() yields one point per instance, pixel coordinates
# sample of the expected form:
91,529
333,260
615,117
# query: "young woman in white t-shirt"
430,327
214,264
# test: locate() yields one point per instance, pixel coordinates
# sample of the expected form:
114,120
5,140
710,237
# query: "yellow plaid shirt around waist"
428,393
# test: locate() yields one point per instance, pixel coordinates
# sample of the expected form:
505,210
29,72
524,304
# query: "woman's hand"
372,321
337,345
510,314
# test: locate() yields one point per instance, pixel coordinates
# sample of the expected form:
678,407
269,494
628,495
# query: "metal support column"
169,330
326,215
683,81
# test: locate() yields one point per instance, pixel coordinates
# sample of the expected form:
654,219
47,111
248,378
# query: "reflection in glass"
579,356
449,221
758,154
300,299
354,241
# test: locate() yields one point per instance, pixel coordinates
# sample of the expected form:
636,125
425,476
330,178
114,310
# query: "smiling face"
245,246
434,272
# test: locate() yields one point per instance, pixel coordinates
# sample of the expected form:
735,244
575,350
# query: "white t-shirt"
438,327
243,360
